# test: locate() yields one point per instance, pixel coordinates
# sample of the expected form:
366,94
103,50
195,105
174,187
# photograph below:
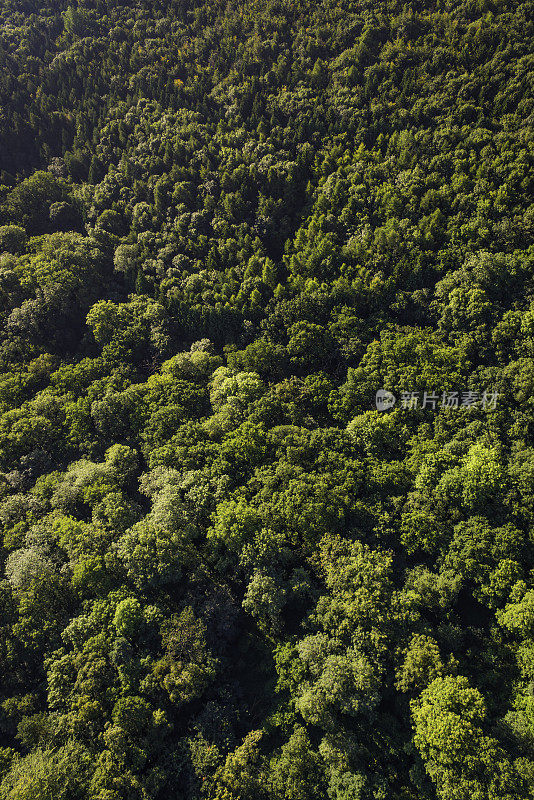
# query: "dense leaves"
223,228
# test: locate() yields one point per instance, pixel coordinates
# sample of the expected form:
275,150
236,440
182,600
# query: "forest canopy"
226,572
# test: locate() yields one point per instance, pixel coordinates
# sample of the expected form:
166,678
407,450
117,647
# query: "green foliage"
223,228
48,775
460,759
128,617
